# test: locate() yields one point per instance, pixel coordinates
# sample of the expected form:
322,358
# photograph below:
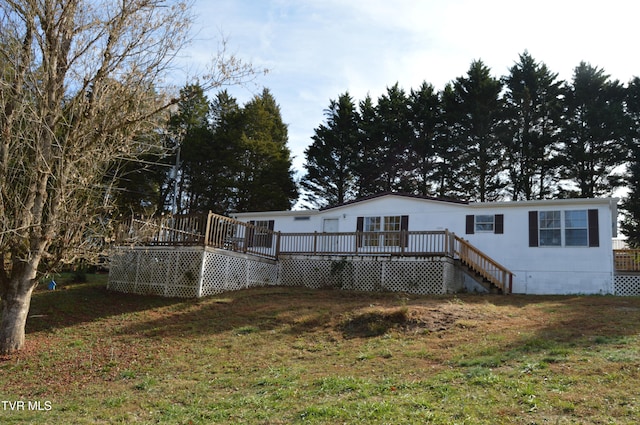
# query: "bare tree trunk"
79,91
16,300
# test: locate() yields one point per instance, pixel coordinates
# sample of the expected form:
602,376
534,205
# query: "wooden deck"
226,233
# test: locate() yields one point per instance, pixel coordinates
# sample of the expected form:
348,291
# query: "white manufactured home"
388,242
559,246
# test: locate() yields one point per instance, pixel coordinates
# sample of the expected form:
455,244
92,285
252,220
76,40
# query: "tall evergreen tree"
394,133
190,133
448,164
593,133
425,122
139,187
472,106
366,168
330,158
631,204
226,122
265,181
532,113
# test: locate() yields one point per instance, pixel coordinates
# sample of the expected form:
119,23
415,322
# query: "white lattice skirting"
412,275
186,272
626,284
196,272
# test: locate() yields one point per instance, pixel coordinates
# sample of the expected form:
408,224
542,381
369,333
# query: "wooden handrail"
199,230
402,243
486,266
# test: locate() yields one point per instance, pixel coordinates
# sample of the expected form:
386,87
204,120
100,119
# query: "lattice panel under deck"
626,284
123,266
262,273
176,272
166,272
420,276
154,268
214,274
303,272
187,268
416,277
367,276
229,272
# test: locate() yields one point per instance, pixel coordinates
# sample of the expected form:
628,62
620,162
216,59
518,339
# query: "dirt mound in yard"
376,321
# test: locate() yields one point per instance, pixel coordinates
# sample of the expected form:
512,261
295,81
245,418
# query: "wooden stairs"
489,273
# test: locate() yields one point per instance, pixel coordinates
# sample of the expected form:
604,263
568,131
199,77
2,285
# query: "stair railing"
482,264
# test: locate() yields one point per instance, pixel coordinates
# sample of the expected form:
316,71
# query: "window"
392,224
576,229
371,224
302,218
550,228
376,228
570,228
484,223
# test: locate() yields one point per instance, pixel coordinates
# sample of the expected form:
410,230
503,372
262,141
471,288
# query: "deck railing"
626,260
367,243
234,235
199,230
178,230
226,233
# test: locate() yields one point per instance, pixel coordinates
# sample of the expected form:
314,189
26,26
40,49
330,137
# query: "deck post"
247,235
315,242
207,228
278,234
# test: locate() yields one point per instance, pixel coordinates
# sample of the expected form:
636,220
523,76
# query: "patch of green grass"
293,355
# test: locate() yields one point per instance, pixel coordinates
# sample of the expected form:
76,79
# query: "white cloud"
318,49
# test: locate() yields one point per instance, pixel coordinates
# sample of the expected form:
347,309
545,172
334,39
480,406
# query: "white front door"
330,243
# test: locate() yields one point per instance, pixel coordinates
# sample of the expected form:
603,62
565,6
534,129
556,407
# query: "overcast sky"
318,49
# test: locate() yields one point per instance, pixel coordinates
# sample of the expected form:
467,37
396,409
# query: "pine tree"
226,122
265,180
366,168
425,122
593,133
532,112
189,128
330,158
394,133
472,107
631,204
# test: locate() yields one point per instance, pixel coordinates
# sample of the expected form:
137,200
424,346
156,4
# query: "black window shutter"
594,232
470,225
498,224
359,228
404,226
250,233
533,228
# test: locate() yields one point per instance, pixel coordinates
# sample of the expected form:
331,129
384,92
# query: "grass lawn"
293,355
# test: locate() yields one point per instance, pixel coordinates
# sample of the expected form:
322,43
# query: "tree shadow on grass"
543,323
75,303
554,326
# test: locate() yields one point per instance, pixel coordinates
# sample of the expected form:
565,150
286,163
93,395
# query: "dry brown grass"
288,355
